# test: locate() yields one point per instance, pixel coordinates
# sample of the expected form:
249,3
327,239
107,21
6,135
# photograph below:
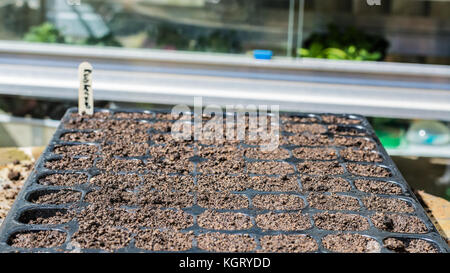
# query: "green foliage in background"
176,37
45,33
219,41
347,44
48,33
107,40
170,37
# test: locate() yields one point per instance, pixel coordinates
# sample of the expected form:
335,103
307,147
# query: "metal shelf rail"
172,77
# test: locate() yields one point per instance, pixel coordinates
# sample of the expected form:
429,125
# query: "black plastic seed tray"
256,232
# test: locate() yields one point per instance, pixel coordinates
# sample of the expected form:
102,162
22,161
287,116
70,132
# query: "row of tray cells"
218,153
309,118
176,152
113,130
113,126
157,216
301,139
184,165
223,182
173,240
159,195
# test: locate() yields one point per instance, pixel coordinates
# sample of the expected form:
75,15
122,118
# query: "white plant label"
85,92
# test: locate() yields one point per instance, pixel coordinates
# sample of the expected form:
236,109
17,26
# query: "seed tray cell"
118,181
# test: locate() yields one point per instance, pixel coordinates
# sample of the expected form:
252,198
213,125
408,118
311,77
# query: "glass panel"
416,31
227,26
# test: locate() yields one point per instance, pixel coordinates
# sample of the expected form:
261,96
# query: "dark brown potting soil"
162,126
221,167
172,152
169,166
320,168
305,128
350,243
96,136
116,181
221,242
165,116
220,153
45,217
398,223
120,165
378,187
292,243
164,240
224,220
124,150
111,197
56,197
14,175
165,199
98,228
75,150
340,221
339,120
69,163
223,182
110,124
38,239
332,202
368,170
298,119
351,154
266,139
90,236
126,136
257,153
278,202
163,138
283,221
97,115
127,126
407,245
164,182
324,184
162,218
282,183
315,153
68,179
355,142
270,167
134,115
222,200
346,131
99,214
383,204
210,138
309,140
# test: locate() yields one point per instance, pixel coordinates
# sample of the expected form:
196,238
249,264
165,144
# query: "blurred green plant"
48,33
175,37
45,33
219,41
107,40
170,37
347,44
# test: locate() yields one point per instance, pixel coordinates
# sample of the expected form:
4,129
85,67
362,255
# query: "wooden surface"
15,166
439,209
